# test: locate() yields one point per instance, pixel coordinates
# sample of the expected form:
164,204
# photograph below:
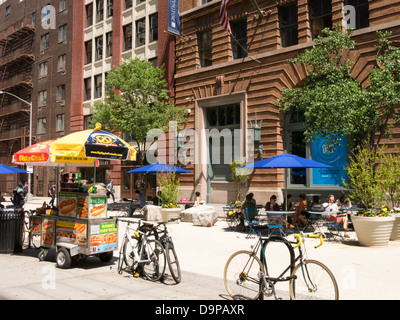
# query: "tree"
336,105
136,101
239,177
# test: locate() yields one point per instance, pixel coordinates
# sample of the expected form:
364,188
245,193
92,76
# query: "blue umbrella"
158,167
6,169
285,161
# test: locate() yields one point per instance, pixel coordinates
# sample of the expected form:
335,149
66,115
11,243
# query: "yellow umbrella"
95,144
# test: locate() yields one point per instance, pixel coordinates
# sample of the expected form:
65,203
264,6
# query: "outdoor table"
270,214
318,219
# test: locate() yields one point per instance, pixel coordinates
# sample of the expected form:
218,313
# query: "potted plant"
170,191
365,175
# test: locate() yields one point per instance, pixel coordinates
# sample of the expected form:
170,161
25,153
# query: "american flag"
223,16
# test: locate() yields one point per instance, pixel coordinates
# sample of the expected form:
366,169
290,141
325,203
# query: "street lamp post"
29,195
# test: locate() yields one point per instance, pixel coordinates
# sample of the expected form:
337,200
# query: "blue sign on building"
333,155
173,17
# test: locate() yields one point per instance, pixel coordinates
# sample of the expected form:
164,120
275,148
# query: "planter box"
373,231
170,213
396,228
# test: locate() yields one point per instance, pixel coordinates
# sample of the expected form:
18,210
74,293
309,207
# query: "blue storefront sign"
333,155
173,17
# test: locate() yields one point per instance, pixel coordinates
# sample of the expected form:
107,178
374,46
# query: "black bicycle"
161,234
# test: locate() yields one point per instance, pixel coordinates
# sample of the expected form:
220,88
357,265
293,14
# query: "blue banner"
173,17
335,156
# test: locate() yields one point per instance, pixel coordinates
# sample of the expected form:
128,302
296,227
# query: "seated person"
344,202
272,205
290,206
198,200
249,204
141,202
315,205
299,214
341,219
2,200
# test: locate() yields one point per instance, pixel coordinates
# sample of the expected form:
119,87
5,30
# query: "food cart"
80,228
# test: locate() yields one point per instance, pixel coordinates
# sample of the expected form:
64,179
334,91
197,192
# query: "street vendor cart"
79,229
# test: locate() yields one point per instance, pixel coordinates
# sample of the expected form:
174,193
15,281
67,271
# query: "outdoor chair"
249,216
335,228
276,223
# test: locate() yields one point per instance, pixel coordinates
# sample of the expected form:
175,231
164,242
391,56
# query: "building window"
8,10
110,9
99,10
98,86
41,129
44,42
140,32
225,117
99,48
362,13
288,24
42,98
127,31
60,122
43,69
239,44
61,62
88,52
89,14
205,52
320,16
153,26
61,93
204,1
63,5
86,122
109,44
87,94
127,4
62,33
154,62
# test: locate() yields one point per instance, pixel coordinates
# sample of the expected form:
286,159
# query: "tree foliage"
136,101
335,104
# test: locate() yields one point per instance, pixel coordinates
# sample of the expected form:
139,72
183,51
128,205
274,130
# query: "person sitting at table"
344,202
290,206
271,205
299,214
341,219
249,204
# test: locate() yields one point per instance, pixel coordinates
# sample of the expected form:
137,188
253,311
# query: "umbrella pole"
285,185
94,172
58,185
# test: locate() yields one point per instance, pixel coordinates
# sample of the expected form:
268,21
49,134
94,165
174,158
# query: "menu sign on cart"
103,237
47,231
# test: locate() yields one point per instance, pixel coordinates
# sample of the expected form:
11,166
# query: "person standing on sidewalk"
52,193
110,190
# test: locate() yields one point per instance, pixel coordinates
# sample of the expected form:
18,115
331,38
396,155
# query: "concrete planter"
170,213
373,231
396,228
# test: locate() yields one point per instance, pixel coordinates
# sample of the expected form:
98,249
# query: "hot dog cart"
80,228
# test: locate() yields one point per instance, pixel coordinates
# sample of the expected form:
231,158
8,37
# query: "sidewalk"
361,272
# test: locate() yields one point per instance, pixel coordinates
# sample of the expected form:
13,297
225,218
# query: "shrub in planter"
170,191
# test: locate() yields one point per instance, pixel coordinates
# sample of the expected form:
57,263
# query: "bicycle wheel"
242,276
173,262
154,269
128,256
314,281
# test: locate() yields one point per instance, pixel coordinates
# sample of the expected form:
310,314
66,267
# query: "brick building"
56,54
228,83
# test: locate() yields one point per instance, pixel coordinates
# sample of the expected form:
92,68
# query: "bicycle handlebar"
299,238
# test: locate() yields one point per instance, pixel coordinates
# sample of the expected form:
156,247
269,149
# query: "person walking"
52,193
110,190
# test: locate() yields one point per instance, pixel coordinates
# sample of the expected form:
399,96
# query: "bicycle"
247,277
168,245
141,255
32,229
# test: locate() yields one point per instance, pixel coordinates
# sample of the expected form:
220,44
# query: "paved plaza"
361,272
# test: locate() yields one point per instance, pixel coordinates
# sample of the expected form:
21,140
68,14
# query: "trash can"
11,230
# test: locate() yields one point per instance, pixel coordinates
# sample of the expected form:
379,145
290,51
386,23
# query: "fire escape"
16,63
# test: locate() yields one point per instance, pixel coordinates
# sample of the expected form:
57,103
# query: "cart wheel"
63,259
42,254
106,256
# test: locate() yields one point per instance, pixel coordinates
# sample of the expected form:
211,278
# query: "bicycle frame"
144,244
